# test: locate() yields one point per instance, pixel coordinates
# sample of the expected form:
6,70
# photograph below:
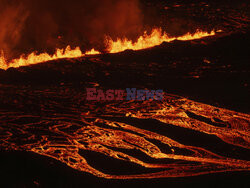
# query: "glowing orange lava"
92,52
34,58
145,41
125,132
154,39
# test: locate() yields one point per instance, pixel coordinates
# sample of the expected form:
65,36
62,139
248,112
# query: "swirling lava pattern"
157,137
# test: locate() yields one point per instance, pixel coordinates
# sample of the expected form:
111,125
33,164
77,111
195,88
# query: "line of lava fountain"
145,41
33,58
154,39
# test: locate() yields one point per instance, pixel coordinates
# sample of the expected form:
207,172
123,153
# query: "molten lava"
33,58
145,41
121,133
92,52
154,39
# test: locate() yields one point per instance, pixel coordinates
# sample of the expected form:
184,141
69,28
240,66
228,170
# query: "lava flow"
143,42
122,133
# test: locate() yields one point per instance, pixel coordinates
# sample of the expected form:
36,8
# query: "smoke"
44,25
13,17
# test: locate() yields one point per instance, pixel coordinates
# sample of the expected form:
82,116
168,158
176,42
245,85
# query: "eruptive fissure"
145,41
